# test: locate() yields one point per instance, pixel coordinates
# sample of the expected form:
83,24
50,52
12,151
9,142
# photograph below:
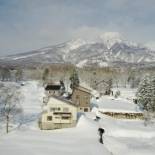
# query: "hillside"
103,52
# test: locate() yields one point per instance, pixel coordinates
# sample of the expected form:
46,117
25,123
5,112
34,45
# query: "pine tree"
45,74
152,90
74,78
146,94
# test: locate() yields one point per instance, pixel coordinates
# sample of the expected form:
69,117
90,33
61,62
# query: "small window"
77,96
85,109
65,117
55,109
49,118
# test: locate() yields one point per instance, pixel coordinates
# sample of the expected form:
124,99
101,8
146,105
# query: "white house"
58,113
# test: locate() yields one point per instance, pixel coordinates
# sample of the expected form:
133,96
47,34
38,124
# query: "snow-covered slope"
109,49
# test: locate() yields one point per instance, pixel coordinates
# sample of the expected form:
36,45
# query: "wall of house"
83,109
62,115
81,98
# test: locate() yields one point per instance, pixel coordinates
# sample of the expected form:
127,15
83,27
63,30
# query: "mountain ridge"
101,52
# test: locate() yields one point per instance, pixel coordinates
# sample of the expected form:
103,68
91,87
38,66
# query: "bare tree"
5,74
9,104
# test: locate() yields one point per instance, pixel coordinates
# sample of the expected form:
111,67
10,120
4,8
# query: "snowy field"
121,136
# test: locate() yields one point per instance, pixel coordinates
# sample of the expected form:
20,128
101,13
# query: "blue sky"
31,24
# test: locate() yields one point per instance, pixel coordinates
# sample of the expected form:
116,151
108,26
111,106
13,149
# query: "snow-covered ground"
111,104
121,136
32,101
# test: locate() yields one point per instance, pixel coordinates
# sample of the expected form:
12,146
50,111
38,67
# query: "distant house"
55,89
58,113
104,87
81,97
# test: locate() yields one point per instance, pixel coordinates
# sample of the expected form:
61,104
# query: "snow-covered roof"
63,99
83,89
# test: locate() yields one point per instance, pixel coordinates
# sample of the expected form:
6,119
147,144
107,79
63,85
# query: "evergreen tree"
146,94
74,78
151,106
62,89
45,74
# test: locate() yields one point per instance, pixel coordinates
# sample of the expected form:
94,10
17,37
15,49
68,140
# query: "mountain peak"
75,43
110,38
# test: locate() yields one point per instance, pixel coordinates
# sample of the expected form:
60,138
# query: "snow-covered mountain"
107,50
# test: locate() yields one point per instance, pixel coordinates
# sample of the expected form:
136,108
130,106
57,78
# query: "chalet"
55,89
81,97
58,113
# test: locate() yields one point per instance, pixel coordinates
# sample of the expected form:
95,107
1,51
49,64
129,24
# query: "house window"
65,117
85,109
65,109
77,96
49,118
55,109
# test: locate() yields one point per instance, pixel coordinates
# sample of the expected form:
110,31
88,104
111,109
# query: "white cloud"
151,45
30,24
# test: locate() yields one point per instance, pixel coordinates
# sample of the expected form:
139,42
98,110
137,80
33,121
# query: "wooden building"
58,113
81,97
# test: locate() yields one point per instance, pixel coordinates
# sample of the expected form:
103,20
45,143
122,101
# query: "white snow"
121,136
140,59
24,56
73,44
110,38
103,64
33,94
82,63
118,54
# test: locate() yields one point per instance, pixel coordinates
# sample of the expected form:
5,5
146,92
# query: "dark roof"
53,87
